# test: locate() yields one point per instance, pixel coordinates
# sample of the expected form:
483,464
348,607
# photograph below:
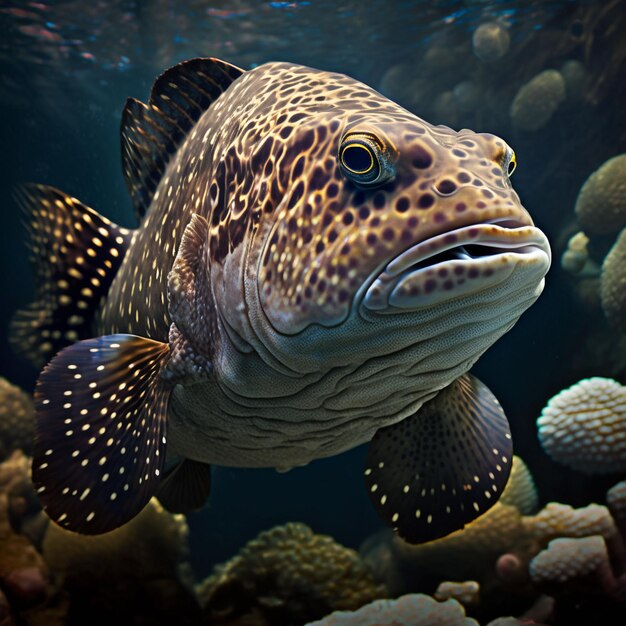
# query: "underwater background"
66,69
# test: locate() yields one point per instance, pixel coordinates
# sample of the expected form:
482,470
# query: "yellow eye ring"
511,165
360,159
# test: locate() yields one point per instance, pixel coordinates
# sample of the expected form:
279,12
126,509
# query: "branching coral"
584,427
290,575
17,419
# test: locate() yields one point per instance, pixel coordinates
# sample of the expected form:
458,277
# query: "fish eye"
510,168
364,159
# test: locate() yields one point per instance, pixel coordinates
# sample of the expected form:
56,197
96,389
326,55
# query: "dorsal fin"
151,133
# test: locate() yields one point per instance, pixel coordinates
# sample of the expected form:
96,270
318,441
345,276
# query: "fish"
314,268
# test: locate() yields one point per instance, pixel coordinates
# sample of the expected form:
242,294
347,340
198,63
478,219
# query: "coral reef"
613,282
17,419
601,204
537,100
408,610
584,426
139,567
466,593
578,573
288,575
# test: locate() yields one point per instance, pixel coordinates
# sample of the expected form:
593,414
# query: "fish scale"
315,268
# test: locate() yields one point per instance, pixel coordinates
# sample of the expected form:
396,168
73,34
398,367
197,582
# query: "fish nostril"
445,187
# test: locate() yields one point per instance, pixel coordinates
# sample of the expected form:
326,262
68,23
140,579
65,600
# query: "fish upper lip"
502,236
482,240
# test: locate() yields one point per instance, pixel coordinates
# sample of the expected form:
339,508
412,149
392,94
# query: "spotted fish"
314,268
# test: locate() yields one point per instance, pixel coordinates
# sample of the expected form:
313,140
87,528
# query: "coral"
470,553
466,593
290,575
613,282
137,568
490,41
574,75
616,501
575,260
561,520
467,96
17,419
24,579
577,573
584,426
601,203
409,610
520,491
537,100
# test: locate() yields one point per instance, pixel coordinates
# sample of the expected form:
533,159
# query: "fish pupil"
357,159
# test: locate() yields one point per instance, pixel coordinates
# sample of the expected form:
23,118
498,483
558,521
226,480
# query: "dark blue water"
67,68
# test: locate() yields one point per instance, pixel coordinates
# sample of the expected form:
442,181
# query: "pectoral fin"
186,487
100,436
435,471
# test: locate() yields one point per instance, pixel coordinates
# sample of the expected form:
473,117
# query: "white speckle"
102,460
383,500
373,488
113,496
406,488
62,517
48,452
381,465
418,513
368,471
84,494
90,516
429,519
476,507
394,518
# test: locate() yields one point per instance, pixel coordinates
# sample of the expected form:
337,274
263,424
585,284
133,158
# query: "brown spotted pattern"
261,167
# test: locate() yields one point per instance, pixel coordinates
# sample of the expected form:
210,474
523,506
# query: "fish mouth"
459,262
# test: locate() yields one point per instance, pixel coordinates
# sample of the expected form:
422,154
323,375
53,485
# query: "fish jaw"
458,263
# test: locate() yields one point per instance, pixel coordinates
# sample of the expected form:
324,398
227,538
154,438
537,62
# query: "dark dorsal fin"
151,133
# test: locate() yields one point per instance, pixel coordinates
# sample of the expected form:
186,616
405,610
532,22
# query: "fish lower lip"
444,266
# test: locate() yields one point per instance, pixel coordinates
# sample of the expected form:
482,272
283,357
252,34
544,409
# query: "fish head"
391,220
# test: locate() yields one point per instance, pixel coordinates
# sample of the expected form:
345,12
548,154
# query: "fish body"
315,268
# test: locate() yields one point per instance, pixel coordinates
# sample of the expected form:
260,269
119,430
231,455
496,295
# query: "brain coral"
584,427
613,283
17,419
490,41
537,100
291,572
601,203
410,610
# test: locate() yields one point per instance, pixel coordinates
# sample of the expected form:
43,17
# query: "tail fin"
75,254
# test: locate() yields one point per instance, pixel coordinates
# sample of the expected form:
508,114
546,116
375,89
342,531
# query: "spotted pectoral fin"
75,254
151,133
186,487
100,433
435,471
